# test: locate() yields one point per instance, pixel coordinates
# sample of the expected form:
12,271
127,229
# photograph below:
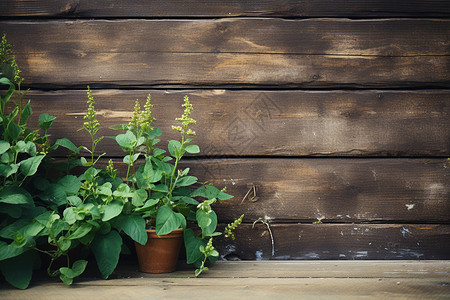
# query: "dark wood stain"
218,8
282,123
333,111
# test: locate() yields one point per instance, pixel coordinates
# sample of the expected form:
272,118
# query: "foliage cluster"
44,213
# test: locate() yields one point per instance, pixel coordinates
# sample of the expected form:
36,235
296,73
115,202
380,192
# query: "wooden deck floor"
262,280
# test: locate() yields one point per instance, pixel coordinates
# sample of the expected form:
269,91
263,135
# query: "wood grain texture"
163,70
379,37
330,190
217,8
281,123
274,53
176,286
339,241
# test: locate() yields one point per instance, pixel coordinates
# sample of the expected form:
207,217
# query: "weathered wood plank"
72,63
322,269
260,280
240,288
329,190
62,70
338,241
380,37
288,123
215,8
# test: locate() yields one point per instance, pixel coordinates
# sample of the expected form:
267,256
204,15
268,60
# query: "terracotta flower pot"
160,254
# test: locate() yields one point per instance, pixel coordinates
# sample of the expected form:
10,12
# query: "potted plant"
44,213
166,196
153,201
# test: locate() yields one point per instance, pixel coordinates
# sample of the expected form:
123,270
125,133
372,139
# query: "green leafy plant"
167,197
52,215
25,222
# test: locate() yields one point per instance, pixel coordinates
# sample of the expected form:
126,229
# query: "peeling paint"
361,254
404,231
259,255
374,173
311,255
407,253
409,206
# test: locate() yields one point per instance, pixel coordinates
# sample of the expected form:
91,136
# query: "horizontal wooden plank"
173,287
63,70
328,269
331,190
328,190
414,269
93,57
380,37
338,241
282,123
216,8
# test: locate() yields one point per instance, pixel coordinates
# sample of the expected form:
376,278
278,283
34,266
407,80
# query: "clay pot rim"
176,233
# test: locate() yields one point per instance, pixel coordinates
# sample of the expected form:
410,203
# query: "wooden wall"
330,110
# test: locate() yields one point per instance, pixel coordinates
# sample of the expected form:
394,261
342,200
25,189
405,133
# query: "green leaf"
15,195
106,250
134,227
174,148
157,152
151,175
126,140
64,243
5,81
26,113
69,215
13,130
45,121
32,229
112,210
9,231
148,204
139,196
224,196
105,189
192,244
29,166
160,188
4,146
19,270
70,183
74,200
207,222
12,210
68,274
130,159
187,181
189,200
10,91
66,143
192,149
8,170
81,231
26,147
167,220
123,190
9,250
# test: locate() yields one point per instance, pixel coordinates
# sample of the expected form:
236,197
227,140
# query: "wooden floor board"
263,280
